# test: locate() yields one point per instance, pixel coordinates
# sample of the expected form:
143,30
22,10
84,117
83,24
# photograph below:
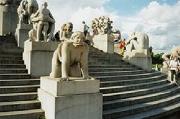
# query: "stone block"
8,19
140,59
22,31
85,102
104,42
78,86
37,57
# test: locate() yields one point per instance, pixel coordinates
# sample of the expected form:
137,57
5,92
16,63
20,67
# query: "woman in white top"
174,64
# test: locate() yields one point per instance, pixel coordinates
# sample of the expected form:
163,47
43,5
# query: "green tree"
157,58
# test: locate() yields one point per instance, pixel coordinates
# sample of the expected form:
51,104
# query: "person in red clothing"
122,46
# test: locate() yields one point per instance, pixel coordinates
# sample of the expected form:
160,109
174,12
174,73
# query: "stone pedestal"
8,19
104,42
22,31
37,57
76,99
141,59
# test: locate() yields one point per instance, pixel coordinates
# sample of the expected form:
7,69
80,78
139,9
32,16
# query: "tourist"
122,46
85,28
174,68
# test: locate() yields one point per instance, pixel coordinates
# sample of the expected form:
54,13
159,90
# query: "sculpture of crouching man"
70,59
66,31
137,42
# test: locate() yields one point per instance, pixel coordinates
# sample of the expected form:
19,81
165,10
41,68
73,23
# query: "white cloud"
160,22
75,10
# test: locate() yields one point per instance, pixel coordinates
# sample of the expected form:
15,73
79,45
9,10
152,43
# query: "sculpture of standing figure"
22,12
45,25
25,10
32,6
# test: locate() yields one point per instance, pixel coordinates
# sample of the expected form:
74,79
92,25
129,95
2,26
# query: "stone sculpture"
138,51
32,7
137,42
26,9
33,32
66,31
22,12
102,25
70,59
45,23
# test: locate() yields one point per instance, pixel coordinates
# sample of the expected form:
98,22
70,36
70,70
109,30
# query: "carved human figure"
25,10
66,31
33,32
45,26
70,59
22,12
137,41
32,7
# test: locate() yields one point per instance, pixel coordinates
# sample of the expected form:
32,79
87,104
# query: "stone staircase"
18,92
128,91
131,93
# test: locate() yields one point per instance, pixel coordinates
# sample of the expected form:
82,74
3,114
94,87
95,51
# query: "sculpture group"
41,19
70,59
102,25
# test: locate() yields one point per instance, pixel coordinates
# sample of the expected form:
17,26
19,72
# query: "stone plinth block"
104,42
37,57
22,31
77,99
140,59
8,19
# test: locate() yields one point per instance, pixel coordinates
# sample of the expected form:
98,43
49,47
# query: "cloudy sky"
160,19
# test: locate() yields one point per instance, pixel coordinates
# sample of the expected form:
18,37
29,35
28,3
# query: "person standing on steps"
122,47
85,28
174,68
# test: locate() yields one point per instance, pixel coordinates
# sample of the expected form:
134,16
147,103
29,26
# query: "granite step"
138,108
12,66
25,114
15,76
10,54
17,70
135,93
9,97
19,105
108,105
112,73
112,66
134,81
113,69
19,82
127,77
10,57
137,86
18,89
156,113
11,61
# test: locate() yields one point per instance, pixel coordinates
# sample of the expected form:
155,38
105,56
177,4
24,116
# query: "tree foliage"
157,58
